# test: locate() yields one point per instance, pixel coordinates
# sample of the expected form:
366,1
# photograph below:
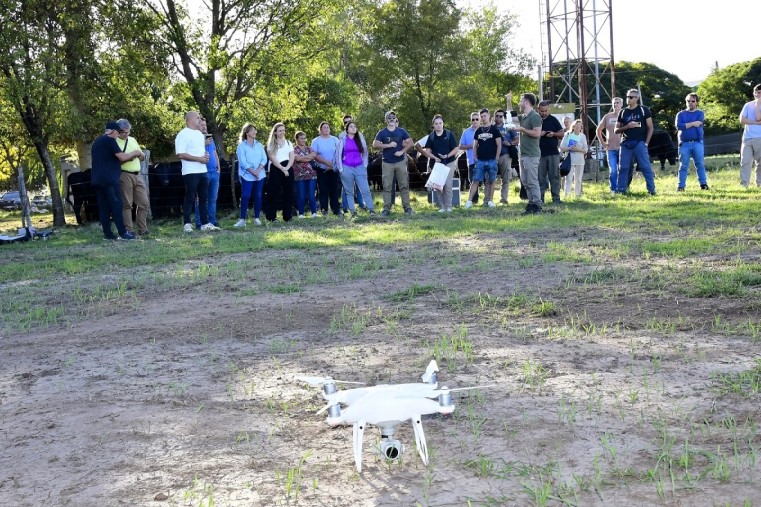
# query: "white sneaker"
209,227
491,204
443,210
257,221
301,216
449,210
188,228
468,204
240,223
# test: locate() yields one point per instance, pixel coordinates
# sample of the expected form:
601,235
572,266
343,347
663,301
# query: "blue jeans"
613,165
306,190
345,198
692,149
486,171
626,164
247,189
353,177
213,177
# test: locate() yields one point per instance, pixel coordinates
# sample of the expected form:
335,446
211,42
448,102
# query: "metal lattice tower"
577,53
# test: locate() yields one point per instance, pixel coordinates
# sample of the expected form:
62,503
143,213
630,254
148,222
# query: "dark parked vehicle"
10,201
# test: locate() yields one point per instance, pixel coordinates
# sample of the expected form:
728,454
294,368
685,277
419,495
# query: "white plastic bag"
438,177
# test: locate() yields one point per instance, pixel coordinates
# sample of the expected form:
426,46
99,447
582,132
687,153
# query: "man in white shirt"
750,152
190,147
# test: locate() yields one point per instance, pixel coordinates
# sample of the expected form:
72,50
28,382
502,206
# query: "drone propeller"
442,390
316,381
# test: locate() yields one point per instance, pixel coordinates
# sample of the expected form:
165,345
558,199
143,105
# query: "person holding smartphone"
635,124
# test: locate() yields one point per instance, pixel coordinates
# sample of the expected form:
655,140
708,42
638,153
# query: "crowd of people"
330,173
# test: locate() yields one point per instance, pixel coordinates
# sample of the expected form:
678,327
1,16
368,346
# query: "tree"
17,151
239,51
32,80
428,56
660,90
724,92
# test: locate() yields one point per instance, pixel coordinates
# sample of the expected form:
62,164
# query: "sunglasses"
631,97
474,119
692,101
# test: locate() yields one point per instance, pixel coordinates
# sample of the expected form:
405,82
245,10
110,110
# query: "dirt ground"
607,387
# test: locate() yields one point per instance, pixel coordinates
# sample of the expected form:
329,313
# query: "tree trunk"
59,219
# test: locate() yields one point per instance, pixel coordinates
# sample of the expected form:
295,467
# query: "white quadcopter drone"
386,406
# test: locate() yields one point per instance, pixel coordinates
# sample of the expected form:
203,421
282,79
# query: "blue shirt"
508,135
211,165
467,138
387,136
251,157
325,148
693,133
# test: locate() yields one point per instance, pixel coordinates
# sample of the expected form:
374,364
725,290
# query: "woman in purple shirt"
351,159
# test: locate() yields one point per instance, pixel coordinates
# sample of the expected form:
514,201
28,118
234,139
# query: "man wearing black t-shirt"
549,160
635,124
442,147
107,159
486,149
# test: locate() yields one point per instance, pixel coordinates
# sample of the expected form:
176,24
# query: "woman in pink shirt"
351,159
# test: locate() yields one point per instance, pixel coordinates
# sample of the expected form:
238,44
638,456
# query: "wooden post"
26,217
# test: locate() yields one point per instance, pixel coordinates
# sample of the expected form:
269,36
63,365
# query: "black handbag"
565,166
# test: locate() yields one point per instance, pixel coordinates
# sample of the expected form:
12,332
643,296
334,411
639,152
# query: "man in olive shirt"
131,185
530,130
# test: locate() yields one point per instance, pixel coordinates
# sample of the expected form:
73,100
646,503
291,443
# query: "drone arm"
422,448
358,434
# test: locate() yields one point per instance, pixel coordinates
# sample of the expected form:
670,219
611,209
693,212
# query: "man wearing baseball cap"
107,159
395,142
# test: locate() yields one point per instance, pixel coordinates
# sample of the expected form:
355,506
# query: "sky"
681,37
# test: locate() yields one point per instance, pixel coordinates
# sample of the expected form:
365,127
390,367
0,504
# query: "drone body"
383,409
386,406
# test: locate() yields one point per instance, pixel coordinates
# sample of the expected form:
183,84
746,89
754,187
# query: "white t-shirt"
283,152
191,142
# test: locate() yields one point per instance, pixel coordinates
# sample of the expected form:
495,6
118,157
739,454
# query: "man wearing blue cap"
107,159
